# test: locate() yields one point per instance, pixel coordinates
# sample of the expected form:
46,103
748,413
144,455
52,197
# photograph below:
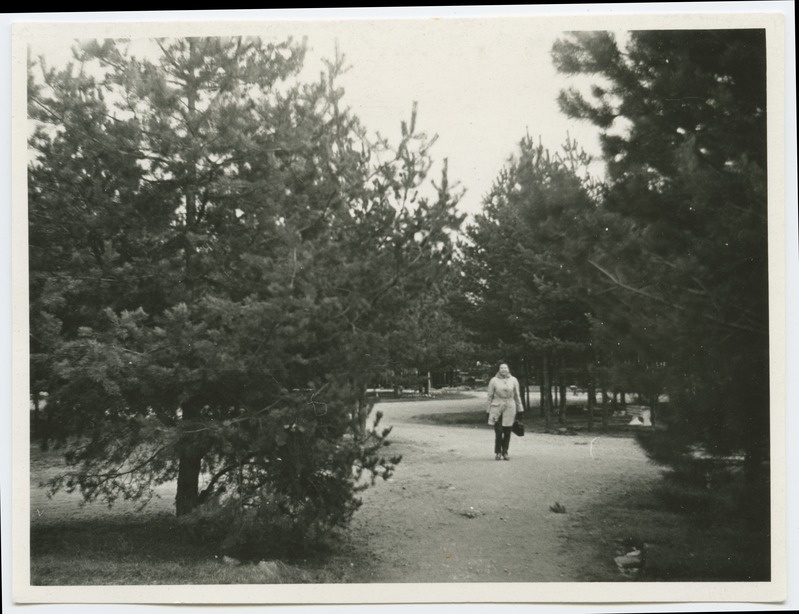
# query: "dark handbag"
518,428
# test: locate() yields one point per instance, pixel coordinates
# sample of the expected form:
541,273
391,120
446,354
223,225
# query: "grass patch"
460,418
155,549
576,422
688,534
721,542
55,571
417,398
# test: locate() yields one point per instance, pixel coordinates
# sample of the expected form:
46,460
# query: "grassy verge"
94,545
685,536
416,397
576,422
155,549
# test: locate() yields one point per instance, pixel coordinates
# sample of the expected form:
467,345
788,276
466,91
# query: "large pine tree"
218,254
683,120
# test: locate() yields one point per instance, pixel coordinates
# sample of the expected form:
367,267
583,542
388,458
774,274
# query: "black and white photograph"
397,308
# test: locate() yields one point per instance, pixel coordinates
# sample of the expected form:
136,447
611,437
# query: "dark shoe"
505,457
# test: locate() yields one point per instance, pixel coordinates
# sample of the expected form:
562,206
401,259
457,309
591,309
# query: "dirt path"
452,513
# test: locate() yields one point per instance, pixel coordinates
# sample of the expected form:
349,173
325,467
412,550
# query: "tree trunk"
188,494
527,382
591,397
653,407
190,459
562,399
542,394
191,189
546,391
623,400
605,420
525,399
555,389
39,430
36,428
361,412
542,391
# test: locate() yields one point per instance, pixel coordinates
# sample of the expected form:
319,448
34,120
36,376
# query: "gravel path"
451,513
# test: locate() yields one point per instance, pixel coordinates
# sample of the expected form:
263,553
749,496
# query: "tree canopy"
683,121
522,291
218,254
657,278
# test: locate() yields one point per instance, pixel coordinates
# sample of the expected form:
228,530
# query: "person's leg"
498,433
505,440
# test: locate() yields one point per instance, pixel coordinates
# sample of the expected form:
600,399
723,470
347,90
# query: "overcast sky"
480,84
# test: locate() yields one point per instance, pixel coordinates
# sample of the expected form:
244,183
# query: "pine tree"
683,118
218,254
522,290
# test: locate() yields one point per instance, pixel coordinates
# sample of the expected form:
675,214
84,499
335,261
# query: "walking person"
504,402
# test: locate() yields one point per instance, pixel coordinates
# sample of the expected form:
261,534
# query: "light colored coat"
503,400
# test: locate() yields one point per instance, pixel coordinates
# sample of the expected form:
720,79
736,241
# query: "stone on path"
630,564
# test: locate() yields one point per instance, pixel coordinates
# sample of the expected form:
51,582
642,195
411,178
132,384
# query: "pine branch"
208,490
233,420
106,477
681,308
